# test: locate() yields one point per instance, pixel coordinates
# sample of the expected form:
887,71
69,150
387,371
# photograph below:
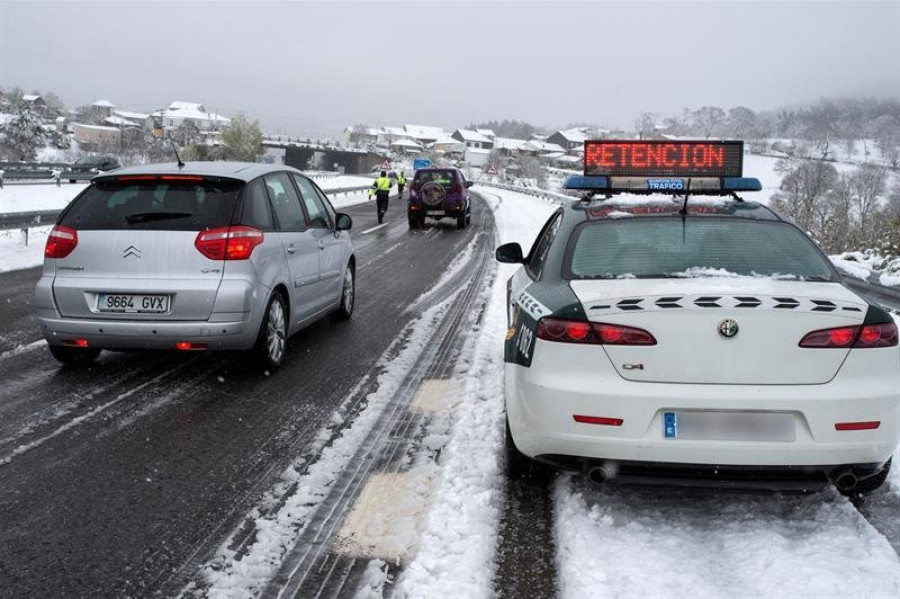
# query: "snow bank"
33,197
460,538
866,263
14,254
667,544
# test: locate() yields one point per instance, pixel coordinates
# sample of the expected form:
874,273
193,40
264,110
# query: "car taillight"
577,331
60,242
864,337
228,243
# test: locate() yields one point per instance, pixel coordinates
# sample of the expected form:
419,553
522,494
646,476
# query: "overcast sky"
305,67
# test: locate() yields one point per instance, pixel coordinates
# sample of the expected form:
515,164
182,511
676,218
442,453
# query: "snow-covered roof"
103,104
406,143
190,110
543,147
395,131
120,122
134,116
94,127
473,136
573,135
569,159
446,140
425,132
487,132
508,143
484,151
30,97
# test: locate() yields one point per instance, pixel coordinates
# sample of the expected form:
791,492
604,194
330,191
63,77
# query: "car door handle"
291,249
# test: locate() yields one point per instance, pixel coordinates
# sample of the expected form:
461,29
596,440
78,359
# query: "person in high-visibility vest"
401,183
382,187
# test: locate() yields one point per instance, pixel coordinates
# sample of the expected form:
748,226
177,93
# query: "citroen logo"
728,328
131,251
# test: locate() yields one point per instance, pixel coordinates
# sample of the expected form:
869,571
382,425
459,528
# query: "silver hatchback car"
209,256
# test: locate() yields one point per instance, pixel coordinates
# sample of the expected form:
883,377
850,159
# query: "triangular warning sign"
492,170
386,165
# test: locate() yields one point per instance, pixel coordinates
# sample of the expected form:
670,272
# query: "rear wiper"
144,217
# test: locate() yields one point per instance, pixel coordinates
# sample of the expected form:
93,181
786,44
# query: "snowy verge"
15,255
666,544
32,198
456,551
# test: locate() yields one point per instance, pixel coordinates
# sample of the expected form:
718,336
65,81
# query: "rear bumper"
793,479
542,400
106,334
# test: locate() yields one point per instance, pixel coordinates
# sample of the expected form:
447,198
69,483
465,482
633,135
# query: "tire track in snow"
89,415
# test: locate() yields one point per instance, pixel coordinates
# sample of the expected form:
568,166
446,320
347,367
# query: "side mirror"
470,183
510,253
344,222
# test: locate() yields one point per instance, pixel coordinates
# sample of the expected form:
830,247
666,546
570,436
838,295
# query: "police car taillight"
596,333
865,337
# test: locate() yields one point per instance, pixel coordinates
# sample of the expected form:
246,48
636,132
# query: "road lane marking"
388,517
375,228
435,395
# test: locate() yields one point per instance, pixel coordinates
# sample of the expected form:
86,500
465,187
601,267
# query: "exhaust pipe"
845,481
601,474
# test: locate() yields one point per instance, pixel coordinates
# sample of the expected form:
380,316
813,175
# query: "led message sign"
661,158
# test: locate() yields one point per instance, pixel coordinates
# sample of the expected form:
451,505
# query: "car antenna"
175,150
687,194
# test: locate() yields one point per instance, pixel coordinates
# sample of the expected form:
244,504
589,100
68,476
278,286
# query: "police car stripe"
710,301
532,306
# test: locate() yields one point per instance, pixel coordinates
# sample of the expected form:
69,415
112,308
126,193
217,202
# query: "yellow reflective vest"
401,179
382,184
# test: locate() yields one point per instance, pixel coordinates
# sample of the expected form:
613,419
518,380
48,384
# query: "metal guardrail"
557,198
24,220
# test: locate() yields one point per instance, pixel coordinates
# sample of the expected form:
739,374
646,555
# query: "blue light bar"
741,184
583,183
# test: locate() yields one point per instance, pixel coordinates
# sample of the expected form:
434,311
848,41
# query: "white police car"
693,339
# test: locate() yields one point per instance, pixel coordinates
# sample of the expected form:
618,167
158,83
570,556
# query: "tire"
72,181
271,343
348,295
519,466
461,222
871,484
74,356
413,221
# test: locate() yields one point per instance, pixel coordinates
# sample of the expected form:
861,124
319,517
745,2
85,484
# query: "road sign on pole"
492,170
386,165
421,163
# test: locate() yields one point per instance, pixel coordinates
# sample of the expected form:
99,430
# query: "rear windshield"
155,205
444,177
695,247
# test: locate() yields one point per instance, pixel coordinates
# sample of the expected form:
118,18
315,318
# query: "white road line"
374,228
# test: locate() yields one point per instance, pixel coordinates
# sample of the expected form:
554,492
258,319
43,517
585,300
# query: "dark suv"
439,193
86,167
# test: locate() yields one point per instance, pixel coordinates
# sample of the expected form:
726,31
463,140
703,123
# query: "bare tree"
708,119
645,125
805,195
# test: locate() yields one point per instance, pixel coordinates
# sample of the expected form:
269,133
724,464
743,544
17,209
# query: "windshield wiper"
144,217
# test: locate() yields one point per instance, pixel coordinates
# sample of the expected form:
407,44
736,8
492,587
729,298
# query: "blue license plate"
666,184
670,425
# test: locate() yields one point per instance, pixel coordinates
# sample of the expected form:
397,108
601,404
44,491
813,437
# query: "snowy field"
15,254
